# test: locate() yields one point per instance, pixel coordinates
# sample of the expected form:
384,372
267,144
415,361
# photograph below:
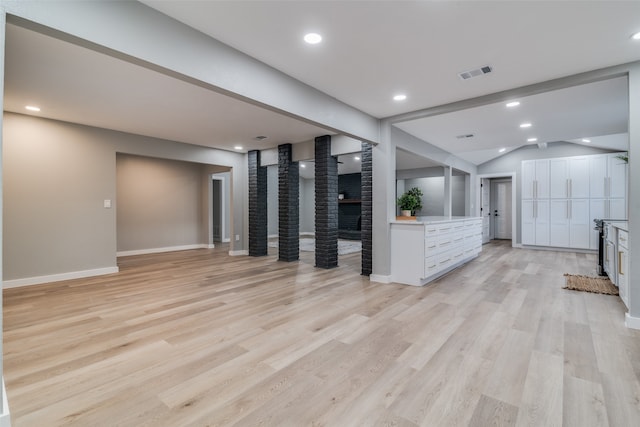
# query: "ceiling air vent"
465,75
465,136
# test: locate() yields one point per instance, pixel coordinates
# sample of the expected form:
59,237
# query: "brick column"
326,172
366,207
257,205
288,205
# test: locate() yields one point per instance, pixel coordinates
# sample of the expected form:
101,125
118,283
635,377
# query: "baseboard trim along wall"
159,250
238,253
379,278
631,322
38,280
5,417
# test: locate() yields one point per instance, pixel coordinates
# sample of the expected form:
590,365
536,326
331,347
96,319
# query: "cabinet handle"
620,264
567,188
570,188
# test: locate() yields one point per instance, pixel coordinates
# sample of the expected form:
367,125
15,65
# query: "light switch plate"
107,203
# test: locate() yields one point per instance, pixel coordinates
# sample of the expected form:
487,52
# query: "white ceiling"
75,84
371,51
586,111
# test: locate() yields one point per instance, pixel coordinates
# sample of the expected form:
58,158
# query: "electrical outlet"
237,237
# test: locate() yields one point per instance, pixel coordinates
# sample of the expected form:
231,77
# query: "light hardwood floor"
198,338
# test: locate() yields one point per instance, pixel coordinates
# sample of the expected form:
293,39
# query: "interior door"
485,209
502,209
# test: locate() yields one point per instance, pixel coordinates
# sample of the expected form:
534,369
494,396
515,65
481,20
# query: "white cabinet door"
528,179
535,179
617,177
559,223
579,224
528,222
542,179
542,222
598,176
579,177
559,179
617,209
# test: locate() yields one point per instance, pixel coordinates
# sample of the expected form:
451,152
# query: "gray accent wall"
56,178
159,203
512,162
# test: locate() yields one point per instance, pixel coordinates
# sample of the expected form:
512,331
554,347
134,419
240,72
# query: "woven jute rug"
598,285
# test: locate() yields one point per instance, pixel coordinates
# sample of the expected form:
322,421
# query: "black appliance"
602,232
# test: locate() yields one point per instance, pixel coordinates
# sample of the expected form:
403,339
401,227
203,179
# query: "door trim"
514,183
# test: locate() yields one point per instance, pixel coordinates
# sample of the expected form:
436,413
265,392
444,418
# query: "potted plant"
410,201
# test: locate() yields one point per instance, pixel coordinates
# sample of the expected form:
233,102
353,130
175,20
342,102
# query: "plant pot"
406,213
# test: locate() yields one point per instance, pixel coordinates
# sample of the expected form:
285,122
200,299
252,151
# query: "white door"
529,222
502,209
485,209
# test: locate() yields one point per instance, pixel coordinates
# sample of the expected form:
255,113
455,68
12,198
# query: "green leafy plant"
623,157
411,200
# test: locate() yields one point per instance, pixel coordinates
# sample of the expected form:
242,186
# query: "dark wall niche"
349,208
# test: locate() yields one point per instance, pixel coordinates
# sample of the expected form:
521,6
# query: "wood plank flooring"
198,338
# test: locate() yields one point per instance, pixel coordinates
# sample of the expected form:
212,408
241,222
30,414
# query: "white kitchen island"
425,249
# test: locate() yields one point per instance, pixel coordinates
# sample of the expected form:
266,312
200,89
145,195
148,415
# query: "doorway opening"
497,207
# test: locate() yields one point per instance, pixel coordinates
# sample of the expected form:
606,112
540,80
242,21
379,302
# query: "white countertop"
435,219
622,225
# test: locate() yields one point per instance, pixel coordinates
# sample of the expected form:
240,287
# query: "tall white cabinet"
561,197
535,202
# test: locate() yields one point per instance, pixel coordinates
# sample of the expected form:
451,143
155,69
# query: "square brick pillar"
326,171
366,207
288,205
257,205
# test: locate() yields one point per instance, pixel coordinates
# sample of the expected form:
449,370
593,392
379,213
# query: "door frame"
493,182
223,209
514,220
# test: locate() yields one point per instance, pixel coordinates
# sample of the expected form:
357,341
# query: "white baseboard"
238,253
159,250
27,281
378,278
226,240
5,418
211,246
631,322
307,233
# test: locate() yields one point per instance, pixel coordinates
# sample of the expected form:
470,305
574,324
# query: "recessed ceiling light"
636,36
525,125
532,139
586,140
238,147
32,108
356,158
261,137
302,165
313,38
513,104
400,97
502,150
